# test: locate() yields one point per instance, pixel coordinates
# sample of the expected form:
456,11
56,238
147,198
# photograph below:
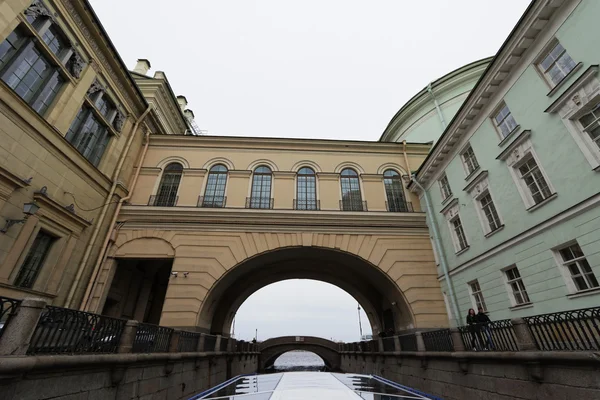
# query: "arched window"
260,194
306,190
214,195
351,197
166,196
394,191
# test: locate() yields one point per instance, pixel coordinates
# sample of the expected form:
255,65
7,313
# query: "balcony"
163,201
399,206
353,205
307,205
259,202
212,201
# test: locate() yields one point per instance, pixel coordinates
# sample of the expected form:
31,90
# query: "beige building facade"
213,219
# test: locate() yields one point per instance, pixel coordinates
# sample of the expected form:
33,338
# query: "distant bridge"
271,349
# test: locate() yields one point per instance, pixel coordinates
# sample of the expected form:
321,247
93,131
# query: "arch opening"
385,305
299,360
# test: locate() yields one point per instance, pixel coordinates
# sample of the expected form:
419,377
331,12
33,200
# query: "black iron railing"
399,206
408,342
389,344
212,201
493,336
163,201
209,342
65,331
307,205
259,202
224,343
353,205
439,340
8,307
151,339
188,341
567,330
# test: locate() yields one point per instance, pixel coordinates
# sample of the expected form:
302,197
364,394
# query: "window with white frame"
458,234
484,203
489,211
556,64
516,286
445,187
504,121
469,160
574,262
477,295
534,180
590,123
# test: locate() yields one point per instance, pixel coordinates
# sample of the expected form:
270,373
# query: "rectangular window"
458,232
556,64
477,295
534,180
89,135
445,187
490,213
579,269
504,121
34,260
590,123
515,282
469,160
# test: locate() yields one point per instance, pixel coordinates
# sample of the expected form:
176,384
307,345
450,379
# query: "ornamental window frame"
451,213
478,189
566,272
507,120
581,98
445,188
215,189
305,199
513,281
469,160
546,52
260,201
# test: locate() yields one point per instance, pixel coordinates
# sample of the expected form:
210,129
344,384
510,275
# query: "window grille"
306,190
34,260
394,191
169,185
351,195
260,193
214,195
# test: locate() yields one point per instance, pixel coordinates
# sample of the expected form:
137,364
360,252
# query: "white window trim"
472,295
492,118
540,57
514,156
464,163
566,274
443,195
509,290
477,190
451,213
574,103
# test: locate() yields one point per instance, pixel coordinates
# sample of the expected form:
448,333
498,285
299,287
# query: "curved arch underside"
331,358
382,300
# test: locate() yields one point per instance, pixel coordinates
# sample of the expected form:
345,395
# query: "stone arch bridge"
272,348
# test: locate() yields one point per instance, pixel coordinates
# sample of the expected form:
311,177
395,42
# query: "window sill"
564,80
447,199
509,136
521,306
582,293
541,203
498,229
27,290
458,253
472,173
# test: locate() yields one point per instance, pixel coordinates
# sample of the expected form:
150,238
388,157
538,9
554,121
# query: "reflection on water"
299,361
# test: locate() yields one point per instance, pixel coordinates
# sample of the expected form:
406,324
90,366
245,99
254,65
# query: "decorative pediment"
60,214
575,100
517,149
9,182
478,185
451,209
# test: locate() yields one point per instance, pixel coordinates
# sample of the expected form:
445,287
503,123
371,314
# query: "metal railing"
408,342
209,343
566,330
439,340
188,341
212,201
307,205
151,339
163,201
8,307
65,331
494,336
259,202
389,344
353,205
399,206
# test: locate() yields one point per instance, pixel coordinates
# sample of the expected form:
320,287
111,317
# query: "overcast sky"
337,69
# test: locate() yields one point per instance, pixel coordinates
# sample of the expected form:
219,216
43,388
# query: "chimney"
182,102
142,66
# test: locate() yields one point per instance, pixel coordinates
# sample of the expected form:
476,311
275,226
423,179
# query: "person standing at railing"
474,329
484,323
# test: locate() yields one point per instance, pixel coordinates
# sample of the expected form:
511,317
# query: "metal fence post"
18,331
128,336
457,340
420,342
174,343
525,340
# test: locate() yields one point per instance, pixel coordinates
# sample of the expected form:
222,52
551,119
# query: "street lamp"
29,209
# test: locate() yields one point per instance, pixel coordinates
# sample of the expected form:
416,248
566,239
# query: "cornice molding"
284,174
514,144
328,176
241,219
482,175
371,177
199,172
239,173
154,171
9,182
60,214
570,94
452,203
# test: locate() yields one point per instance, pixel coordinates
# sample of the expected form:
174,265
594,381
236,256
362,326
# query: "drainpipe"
437,106
440,250
117,171
104,249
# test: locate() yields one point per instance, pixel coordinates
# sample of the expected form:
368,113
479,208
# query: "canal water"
299,361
